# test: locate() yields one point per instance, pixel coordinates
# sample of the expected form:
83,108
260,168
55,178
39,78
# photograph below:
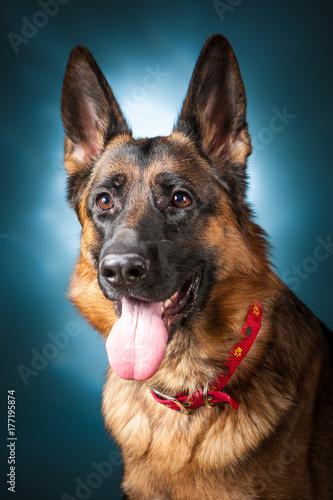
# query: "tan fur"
211,450
278,444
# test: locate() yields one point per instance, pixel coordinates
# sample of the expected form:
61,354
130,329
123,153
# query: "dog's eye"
181,200
104,201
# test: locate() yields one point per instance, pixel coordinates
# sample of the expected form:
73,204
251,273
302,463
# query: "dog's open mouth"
176,307
137,342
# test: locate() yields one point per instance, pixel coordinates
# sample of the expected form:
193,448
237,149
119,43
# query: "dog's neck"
212,393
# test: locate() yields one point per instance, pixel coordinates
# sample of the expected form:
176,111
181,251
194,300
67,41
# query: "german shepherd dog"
219,385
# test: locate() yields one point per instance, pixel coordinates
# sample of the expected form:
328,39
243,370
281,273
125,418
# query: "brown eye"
104,201
181,200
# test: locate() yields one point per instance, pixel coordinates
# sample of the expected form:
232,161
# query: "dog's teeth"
167,303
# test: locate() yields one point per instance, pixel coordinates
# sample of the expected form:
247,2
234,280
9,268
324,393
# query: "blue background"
285,54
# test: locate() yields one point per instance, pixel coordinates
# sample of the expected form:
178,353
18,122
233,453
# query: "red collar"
212,394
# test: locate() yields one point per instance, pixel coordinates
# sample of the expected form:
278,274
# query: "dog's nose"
120,269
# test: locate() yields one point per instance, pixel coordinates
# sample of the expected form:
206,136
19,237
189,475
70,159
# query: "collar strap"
211,394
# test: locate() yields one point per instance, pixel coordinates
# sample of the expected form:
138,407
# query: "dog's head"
164,219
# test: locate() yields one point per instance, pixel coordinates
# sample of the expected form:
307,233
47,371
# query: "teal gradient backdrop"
53,360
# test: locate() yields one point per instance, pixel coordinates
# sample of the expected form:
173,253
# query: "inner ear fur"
214,110
90,113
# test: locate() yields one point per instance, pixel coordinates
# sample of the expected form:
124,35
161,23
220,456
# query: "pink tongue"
137,341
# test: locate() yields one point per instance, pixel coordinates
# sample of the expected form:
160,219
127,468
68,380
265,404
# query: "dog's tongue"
137,341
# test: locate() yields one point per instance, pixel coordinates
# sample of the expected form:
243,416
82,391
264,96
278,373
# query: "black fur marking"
75,186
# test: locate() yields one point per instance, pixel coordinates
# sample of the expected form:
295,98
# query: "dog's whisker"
183,266
166,241
77,235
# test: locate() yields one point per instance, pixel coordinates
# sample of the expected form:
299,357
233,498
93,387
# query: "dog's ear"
214,110
90,112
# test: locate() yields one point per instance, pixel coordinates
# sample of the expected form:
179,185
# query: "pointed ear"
90,112
214,110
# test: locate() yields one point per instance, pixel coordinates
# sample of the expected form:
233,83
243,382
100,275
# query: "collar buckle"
169,398
207,398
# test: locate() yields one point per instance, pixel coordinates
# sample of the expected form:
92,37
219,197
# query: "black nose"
120,269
